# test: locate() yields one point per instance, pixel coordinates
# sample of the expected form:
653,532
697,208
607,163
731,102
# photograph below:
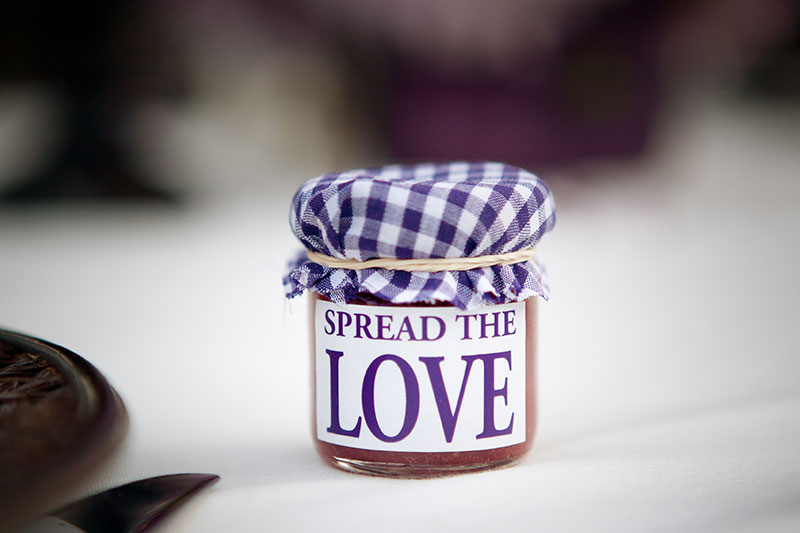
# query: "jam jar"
423,314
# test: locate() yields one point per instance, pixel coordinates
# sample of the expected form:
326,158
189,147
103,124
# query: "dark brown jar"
448,458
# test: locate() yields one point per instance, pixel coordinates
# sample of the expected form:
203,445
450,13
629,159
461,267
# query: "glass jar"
339,429
423,313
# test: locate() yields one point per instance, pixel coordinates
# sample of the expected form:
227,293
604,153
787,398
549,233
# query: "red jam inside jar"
443,405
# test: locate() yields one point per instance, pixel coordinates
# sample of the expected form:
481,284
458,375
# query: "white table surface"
669,355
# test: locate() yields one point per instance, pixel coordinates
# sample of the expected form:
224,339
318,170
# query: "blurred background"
149,152
168,100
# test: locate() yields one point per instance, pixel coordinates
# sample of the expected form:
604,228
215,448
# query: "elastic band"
433,264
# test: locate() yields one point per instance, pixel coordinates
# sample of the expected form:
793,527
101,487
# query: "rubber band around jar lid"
430,264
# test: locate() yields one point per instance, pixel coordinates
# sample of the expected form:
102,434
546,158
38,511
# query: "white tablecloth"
669,377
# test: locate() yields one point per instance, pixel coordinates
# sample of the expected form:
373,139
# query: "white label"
420,379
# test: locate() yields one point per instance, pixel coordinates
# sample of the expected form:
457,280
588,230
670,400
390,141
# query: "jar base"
401,470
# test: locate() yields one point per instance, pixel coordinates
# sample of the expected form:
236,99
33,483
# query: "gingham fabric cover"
415,211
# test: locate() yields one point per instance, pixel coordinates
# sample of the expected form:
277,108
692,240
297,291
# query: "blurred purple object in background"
594,96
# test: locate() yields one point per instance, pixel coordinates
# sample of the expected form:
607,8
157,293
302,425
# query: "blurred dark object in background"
724,39
96,59
776,75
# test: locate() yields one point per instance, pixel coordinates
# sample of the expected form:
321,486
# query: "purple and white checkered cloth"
422,211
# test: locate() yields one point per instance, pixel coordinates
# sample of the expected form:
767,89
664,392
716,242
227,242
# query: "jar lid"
450,210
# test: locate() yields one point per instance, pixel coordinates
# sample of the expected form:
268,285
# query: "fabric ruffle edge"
466,289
